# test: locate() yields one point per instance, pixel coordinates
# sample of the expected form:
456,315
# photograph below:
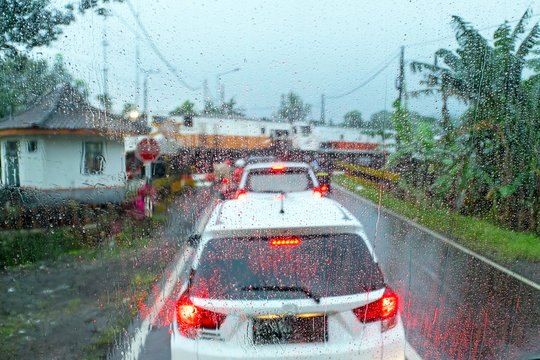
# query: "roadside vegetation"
92,277
477,177
484,164
478,234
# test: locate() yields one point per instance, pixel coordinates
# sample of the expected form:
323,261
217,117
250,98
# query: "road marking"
446,240
135,346
410,353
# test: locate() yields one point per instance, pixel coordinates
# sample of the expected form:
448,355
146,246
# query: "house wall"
57,167
64,163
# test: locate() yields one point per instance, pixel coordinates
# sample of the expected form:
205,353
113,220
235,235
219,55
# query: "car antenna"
282,211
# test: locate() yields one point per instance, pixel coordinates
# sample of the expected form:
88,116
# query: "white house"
63,148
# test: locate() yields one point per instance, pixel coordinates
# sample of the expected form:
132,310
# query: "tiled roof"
65,108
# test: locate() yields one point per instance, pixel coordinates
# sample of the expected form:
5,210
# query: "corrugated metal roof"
65,108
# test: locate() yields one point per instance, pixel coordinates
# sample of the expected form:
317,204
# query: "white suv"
285,280
271,178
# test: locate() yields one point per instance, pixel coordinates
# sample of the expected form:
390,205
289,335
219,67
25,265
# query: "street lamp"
220,92
134,115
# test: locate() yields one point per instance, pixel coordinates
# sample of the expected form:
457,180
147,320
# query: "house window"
32,146
94,160
263,130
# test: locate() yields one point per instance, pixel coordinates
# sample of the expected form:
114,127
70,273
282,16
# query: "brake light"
317,193
224,181
241,195
285,242
278,167
190,317
324,188
383,309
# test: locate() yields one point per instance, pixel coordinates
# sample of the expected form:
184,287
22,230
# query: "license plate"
290,330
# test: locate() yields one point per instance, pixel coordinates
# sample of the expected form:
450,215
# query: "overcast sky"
309,47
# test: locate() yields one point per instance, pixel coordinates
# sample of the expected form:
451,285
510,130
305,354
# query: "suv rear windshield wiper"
316,298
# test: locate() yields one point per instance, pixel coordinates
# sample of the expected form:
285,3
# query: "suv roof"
256,217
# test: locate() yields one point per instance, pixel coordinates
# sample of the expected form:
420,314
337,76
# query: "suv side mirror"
193,240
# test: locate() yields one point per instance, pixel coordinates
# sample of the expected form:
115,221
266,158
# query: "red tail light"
278,167
317,193
241,195
285,242
382,309
190,317
324,188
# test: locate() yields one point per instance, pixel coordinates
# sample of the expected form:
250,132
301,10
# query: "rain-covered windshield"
246,268
283,180
131,131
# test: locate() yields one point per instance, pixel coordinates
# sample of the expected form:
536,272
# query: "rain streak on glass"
248,179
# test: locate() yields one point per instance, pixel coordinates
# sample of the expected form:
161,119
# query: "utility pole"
322,110
105,70
401,77
137,62
147,73
206,96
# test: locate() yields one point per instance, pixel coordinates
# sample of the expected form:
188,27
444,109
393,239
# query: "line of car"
282,271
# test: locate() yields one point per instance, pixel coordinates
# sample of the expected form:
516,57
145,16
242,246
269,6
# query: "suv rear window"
287,180
333,265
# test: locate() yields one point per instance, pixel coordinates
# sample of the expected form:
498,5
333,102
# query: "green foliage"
402,124
26,24
187,108
27,246
127,109
24,80
353,119
29,23
226,109
486,164
477,234
380,121
229,108
292,108
105,101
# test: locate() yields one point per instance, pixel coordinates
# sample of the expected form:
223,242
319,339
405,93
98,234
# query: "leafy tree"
23,80
211,109
26,24
105,101
380,121
229,109
353,119
187,108
292,108
226,109
402,123
127,109
492,155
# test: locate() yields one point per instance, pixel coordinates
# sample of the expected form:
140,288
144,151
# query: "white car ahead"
291,280
270,178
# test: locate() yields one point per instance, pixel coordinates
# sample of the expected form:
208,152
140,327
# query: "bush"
26,246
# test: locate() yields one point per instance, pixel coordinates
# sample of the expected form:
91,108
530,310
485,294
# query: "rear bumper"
391,345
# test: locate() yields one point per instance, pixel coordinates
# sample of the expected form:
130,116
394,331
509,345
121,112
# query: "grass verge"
475,233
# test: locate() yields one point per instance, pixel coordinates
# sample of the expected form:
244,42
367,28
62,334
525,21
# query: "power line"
367,81
156,50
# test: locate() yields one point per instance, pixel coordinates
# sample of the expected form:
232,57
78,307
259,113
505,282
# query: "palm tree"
499,127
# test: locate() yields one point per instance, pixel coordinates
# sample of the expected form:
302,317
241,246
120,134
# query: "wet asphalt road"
454,306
